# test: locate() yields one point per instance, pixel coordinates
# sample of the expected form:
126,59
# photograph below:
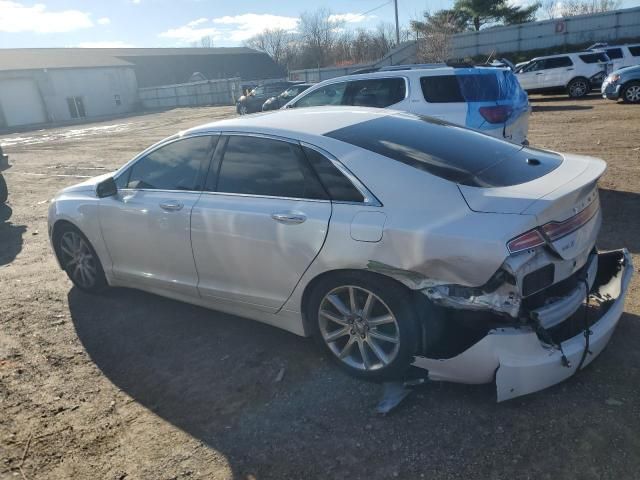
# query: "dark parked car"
278,101
253,101
624,84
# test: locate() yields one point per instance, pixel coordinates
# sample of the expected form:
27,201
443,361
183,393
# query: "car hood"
88,185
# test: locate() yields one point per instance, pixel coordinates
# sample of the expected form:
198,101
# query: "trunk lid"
552,199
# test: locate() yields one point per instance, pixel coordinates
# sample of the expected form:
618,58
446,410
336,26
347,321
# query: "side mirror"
107,188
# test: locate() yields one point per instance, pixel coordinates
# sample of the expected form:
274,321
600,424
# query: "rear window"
635,51
460,88
614,53
448,151
594,57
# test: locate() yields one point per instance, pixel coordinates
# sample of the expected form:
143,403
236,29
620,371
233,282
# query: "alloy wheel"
359,328
578,89
632,94
78,259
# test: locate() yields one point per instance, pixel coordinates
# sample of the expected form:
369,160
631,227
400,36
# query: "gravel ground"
132,386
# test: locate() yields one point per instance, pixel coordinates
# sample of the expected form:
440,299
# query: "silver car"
394,239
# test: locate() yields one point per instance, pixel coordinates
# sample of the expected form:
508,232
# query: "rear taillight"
528,240
552,231
556,230
496,114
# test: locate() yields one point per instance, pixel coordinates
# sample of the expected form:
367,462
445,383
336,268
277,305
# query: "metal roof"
52,58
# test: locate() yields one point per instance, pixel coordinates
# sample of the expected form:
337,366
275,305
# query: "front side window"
257,91
267,167
534,66
594,58
377,92
328,95
175,166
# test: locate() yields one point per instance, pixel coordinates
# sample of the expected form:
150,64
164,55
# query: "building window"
117,99
76,107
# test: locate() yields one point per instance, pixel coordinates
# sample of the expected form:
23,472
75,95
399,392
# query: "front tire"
242,109
4,191
79,260
366,323
578,87
631,92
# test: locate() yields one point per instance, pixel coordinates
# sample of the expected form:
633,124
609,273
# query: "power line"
376,8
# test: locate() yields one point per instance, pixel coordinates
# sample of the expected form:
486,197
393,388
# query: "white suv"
575,73
621,55
482,98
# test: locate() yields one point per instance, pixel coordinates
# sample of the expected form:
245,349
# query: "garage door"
20,102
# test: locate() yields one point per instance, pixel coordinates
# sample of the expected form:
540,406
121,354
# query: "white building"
50,86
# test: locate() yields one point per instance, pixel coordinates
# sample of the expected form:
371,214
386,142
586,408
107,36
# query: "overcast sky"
176,23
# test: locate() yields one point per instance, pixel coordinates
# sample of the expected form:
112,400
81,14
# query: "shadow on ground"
620,211
213,376
10,236
559,108
562,97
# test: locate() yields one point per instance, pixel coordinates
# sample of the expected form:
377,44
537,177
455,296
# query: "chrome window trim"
310,90
369,198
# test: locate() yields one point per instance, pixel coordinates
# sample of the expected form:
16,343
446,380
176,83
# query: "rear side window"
262,166
339,187
377,92
614,53
448,151
460,88
635,51
557,62
175,166
328,95
594,57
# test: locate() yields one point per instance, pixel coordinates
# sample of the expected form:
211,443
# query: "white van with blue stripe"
487,99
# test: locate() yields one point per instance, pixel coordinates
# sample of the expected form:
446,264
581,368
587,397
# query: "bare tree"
319,33
570,8
204,42
435,34
274,42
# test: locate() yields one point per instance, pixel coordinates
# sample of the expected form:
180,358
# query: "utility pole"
395,3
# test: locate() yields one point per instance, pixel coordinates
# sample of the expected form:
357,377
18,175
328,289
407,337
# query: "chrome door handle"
289,218
171,206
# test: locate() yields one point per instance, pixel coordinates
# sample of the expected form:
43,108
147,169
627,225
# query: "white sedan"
394,239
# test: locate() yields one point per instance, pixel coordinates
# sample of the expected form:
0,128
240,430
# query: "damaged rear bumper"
521,362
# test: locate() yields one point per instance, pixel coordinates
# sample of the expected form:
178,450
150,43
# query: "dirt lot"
133,386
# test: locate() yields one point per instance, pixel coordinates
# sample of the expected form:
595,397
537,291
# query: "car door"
531,76
146,226
260,222
558,72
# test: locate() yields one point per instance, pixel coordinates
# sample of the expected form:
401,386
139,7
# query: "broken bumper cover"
520,362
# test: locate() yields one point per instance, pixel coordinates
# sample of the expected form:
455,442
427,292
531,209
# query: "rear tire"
578,87
631,92
79,259
367,324
4,191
